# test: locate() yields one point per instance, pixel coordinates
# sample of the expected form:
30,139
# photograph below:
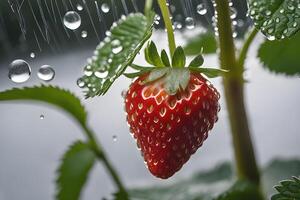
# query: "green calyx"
173,71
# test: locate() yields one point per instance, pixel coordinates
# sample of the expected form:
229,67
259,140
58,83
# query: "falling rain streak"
56,22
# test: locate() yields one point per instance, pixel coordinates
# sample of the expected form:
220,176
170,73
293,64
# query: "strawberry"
170,112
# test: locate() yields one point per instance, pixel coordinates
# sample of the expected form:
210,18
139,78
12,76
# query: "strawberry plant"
171,104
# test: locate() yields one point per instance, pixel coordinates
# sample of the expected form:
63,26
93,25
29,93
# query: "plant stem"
245,49
148,6
168,23
103,158
234,94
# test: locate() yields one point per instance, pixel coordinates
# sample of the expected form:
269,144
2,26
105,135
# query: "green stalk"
103,158
245,49
148,6
168,23
234,93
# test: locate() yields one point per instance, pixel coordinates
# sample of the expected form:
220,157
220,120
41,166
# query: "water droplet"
115,138
117,50
19,71
124,93
271,37
32,55
80,83
268,12
105,7
101,74
72,20
190,23
42,117
201,9
46,73
177,25
84,34
79,7
233,13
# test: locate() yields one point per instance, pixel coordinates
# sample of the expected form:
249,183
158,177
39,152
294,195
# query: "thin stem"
245,49
168,23
103,158
234,94
148,6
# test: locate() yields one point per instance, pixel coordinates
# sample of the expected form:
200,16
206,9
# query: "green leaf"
147,58
116,52
52,95
156,74
277,19
201,186
141,68
176,80
179,59
288,190
73,171
205,41
210,72
242,190
153,55
281,56
136,74
197,61
165,58
279,170
219,183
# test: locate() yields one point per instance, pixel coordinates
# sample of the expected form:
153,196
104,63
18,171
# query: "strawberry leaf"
242,189
153,55
73,171
177,79
52,95
219,184
288,190
277,19
281,56
197,61
135,74
165,58
157,74
205,41
210,72
116,52
178,59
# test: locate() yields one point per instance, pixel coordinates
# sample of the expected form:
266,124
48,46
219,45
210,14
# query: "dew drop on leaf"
80,83
72,20
115,138
46,73
42,117
101,74
19,71
117,50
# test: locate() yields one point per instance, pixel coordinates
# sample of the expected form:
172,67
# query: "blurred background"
34,136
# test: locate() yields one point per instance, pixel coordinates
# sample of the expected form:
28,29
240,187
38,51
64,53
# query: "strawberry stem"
168,23
148,7
234,94
103,158
246,46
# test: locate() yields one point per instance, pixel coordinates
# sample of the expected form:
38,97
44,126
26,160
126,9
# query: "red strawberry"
170,128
